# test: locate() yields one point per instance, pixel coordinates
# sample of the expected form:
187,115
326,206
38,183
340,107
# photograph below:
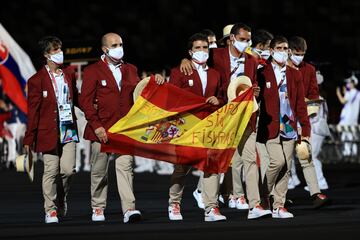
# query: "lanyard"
282,80
64,90
236,68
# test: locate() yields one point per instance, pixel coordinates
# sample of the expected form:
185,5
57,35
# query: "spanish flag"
169,124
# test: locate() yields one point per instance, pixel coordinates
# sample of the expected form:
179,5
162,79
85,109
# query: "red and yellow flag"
169,124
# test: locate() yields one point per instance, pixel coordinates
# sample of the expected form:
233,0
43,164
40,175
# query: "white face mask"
57,58
296,59
265,54
240,46
116,53
200,57
280,57
213,45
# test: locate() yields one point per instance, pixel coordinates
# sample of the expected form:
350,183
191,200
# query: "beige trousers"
60,162
99,178
278,172
308,169
247,152
210,187
237,169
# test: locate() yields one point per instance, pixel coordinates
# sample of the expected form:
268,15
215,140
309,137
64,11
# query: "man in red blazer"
51,97
231,62
298,49
282,106
106,96
203,81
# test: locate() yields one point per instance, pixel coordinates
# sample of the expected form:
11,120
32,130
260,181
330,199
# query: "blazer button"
55,119
55,111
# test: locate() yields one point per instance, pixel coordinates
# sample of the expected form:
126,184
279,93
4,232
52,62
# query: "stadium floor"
21,212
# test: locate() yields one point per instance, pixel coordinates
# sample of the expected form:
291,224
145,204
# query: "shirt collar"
103,58
277,67
200,67
235,59
60,74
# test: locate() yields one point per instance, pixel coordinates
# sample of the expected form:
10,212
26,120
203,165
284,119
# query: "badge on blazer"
191,82
45,94
103,83
268,84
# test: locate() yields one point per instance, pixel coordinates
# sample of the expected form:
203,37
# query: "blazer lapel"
110,77
269,72
197,83
247,70
289,82
48,82
210,84
227,63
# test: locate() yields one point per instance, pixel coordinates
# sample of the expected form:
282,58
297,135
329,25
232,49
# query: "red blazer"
221,63
42,132
213,87
269,121
311,89
99,86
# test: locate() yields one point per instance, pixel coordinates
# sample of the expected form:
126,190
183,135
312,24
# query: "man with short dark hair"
232,62
211,37
298,48
203,81
52,95
261,42
282,106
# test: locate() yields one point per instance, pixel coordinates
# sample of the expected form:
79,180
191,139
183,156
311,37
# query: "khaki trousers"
247,152
278,172
210,187
99,178
236,170
309,172
58,163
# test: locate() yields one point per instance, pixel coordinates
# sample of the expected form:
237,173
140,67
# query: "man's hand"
101,134
159,79
256,91
213,100
187,66
27,149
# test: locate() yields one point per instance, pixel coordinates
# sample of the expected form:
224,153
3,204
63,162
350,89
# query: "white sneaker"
323,184
214,215
221,199
281,213
132,215
51,217
165,171
295,180
174,212
196,173
98,215
87,168
143,168
232,202
241,203
198,198
291,184
258,212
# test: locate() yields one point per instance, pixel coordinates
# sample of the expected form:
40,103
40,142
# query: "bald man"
106,96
